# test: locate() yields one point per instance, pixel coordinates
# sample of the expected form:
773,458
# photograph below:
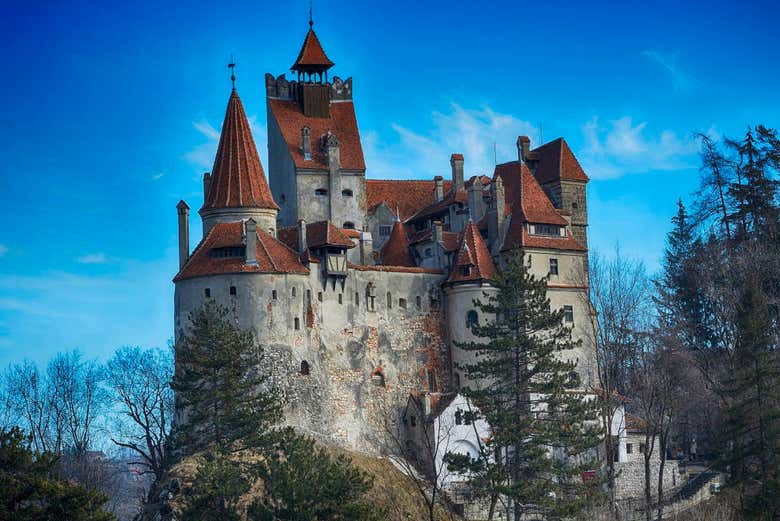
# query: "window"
472,319
402,303
357,298
458,417
553,266
428,252
273,294
413,420
384,230
304,368
346,193
378,377
457,380
293,291
465,271
418,301
642,448
340,298
389,300
297,324
629,448
207,292
319,296
568,313
227,253
320,191
547,229
233,290
348,225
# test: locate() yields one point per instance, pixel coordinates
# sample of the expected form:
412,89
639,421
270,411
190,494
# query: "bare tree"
143,399
26,390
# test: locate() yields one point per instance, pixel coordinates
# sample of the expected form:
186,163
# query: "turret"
184,232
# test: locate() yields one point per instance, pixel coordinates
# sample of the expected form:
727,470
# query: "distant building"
360,289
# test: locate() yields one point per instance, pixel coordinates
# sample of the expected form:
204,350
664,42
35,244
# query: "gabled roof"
437,208
555,159
395,251
272,255
525,199
472,253
312,57
318,235
237,179
450,239
342,123
407,197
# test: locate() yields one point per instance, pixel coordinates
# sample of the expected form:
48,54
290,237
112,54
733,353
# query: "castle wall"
345,344
382,216
313,207
350,208
281,173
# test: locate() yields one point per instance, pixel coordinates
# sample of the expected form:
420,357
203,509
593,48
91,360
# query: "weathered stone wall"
459,302
345,343
574,199
631,481
281,173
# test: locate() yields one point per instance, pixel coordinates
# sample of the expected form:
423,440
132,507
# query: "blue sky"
110,113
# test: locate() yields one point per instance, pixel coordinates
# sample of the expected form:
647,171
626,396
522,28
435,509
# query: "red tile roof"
408,196
395,251
318,234
450,239
272,255
342,123
556,159
237,178
312,56
394,269
451,197
474,254
550,243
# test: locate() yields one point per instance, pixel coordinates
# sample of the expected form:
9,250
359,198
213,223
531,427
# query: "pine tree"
222,390
302,482
216,491
753,414
543,426
29,490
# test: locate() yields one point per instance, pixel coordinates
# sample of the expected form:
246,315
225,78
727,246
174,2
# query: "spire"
232,67
473,262
237,179
396,252
312,58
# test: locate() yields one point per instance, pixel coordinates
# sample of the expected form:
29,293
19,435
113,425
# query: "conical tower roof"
312,57
473,261
396,252
238,179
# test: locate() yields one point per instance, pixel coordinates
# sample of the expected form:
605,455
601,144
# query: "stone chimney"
206,185
251,242
497,221
184,232
438,192
476,203
456,162
332,153
306,142
438,232
302,237
438,243
366,248
523,148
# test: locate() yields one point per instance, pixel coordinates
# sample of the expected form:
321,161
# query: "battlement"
282,88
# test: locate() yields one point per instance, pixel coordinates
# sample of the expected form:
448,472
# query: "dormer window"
320,191
549,230
227,253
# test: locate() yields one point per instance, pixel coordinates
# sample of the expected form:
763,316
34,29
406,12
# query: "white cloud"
3,250
158,176
669,63
472,132
93,258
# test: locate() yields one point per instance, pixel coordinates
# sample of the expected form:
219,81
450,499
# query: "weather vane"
232,67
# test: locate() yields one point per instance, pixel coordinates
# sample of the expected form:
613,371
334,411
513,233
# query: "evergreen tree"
29,490
302,482
543,426
680,300
216,491
222,391
753,414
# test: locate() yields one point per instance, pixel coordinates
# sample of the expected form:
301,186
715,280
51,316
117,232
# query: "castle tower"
236,188
315,157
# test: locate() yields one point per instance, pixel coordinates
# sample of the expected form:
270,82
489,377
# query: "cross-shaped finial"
232,67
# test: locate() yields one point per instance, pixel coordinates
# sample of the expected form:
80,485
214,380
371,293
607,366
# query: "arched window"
304,368
346,193
349,225
320,191
293,291
472,319
418,301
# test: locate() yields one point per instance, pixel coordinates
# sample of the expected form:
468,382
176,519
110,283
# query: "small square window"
629,448
568,313
384,231
207,292
402,303
553,266
273,294
233,290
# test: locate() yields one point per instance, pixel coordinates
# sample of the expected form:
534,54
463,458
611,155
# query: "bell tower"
312,67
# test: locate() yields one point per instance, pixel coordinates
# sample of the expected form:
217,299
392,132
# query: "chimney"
302,237
206,185
438,193
306,142
438,240
456,162
476,203
496,224
438,232
184,232
523,148
251,242
366,248
334,174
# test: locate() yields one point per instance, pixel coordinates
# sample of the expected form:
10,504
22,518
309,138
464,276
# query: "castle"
360,289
